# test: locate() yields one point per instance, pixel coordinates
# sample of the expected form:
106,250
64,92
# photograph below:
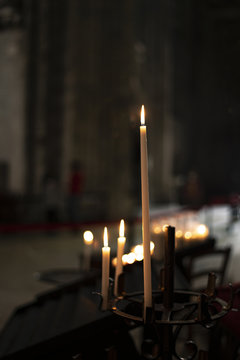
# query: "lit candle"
88,240
145,215
120,249
105,269
202,231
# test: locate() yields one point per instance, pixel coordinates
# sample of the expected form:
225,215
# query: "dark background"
73,77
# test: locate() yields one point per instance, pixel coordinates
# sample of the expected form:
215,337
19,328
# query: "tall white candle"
145,214
105,269
120,250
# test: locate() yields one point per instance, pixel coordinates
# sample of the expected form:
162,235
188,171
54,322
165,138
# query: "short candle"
105,269
120,250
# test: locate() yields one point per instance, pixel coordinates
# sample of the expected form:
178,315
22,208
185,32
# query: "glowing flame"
88,237
105,237
179,234
157,229
131,257
124,259
121,229
152,246
138,251
202,230
188,235
142,115
164,228
114,262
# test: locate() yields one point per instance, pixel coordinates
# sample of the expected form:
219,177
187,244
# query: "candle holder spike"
120,286
211,285
162,275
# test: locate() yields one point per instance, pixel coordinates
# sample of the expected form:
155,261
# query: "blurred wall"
90,68
12,109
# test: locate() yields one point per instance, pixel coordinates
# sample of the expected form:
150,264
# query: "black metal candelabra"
171,310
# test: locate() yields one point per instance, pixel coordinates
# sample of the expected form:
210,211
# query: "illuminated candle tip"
142,115
121,228
88,236
105,237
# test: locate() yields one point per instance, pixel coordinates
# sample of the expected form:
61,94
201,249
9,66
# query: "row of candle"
122,239
147,277
193,231
136,254
88,240
118,262
145,232
106,263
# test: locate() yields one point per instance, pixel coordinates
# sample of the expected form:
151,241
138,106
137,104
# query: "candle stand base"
171,310
162,325
198,308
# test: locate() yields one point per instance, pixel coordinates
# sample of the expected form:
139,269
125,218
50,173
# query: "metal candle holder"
171,310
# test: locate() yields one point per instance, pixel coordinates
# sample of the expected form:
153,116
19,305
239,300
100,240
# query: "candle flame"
202,230
138,250
105,237
114,262
124,259
179,234
121,228
131,258
157,229
165,227
88,237
142,115
152,246
188,235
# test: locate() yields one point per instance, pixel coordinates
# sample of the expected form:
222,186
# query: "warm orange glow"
179,234
114,262
138,251
131,257
105,237
164,228
88,237
152,246
188,235
121,229
202,230
124,259
142,115
157,229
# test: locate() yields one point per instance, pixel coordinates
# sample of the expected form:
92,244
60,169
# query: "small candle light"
179,234
88,240
157,238
88,237
202,231
157,229
179,239
120,249
145,215
152,247
131,257
188,235
114,262
125,259
138,251
105,269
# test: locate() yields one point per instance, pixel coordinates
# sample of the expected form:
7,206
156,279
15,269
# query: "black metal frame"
171,310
